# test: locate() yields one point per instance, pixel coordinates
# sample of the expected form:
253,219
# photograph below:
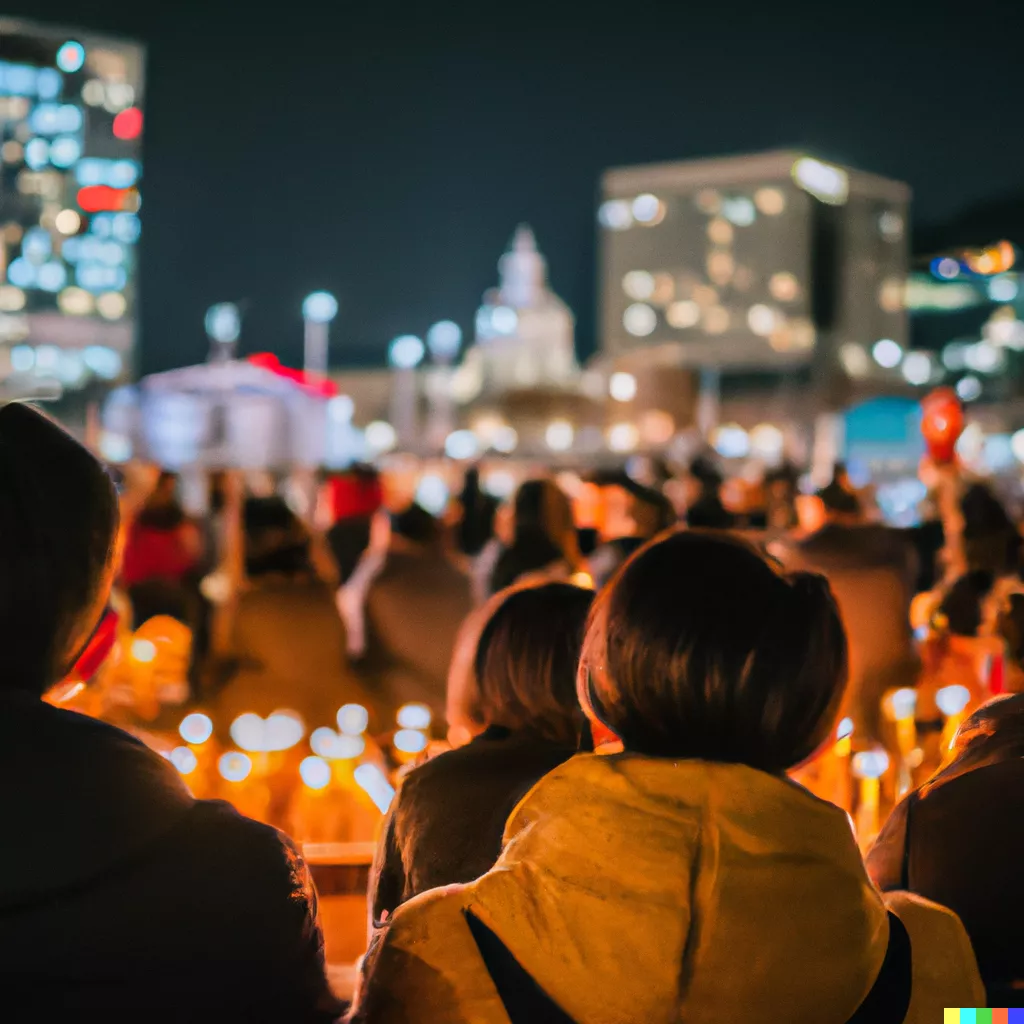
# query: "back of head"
700,648
275,539
542,508
416,525
963,605
58,530
840,502
523,671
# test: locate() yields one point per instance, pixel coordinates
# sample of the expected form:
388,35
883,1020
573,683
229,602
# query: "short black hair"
59,522
275,539
701,648
839,500
416,524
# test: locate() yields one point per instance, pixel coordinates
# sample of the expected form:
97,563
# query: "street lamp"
318,310
405,354
443,342
223,323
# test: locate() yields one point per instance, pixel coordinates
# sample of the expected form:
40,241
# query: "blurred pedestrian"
632,515
544,542
162,555
871,569
278,640
686,878
402,609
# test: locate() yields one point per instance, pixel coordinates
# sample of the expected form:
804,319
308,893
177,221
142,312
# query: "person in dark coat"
544,539
122,898
512,685
872,570
707,512
402,608
959,840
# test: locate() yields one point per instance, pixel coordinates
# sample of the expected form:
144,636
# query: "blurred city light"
319,307
823,181
406,352
559,435
887,353
622,387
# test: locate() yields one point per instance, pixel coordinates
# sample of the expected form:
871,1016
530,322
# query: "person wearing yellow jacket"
686,878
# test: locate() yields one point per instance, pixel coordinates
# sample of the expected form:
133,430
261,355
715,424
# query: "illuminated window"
638,284
639,320
770,201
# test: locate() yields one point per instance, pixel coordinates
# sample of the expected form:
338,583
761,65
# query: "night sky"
388,154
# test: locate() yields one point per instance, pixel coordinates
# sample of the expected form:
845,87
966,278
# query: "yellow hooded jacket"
635,889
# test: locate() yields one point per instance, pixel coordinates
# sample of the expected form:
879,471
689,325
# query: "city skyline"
389,160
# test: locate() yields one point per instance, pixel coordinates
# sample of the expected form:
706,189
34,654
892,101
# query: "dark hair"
839,500
416,524
701,648
963,604
526,659
58,528
275,539
544,533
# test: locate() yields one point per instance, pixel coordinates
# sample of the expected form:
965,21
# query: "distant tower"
524,332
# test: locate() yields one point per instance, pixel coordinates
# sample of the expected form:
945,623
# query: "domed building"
524,332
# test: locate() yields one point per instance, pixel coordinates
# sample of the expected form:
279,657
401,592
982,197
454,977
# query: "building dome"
524,332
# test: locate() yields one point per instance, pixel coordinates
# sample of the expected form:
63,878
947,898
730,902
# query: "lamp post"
443,341
405,354
318,310
223,323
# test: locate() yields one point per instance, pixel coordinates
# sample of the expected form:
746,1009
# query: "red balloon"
942,423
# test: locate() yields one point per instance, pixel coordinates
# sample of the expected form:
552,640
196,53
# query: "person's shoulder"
945,968
247,849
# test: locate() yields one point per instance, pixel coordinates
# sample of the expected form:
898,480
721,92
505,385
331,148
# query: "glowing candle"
952,702
869,766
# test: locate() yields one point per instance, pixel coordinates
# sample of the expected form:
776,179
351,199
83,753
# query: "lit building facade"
757,263
524,332
70,169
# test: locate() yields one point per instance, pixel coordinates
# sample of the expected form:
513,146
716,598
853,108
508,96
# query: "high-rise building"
766,262
70,148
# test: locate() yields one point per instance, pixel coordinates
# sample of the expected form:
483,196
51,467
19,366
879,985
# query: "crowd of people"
612,835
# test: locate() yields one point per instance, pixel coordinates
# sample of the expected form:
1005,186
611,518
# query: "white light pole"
318,310
443,341
404,355
223,323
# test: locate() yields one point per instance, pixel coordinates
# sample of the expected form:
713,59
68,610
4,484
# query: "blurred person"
544,541
632,516
871,569
402,609
162,555
278,640
781,492
513,716
353,499
121,896
685,878
706,511
959,840
476,520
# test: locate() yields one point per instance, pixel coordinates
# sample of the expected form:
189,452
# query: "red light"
128,124
97,198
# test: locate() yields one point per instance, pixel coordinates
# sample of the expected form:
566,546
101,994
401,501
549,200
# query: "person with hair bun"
685,878
512,716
